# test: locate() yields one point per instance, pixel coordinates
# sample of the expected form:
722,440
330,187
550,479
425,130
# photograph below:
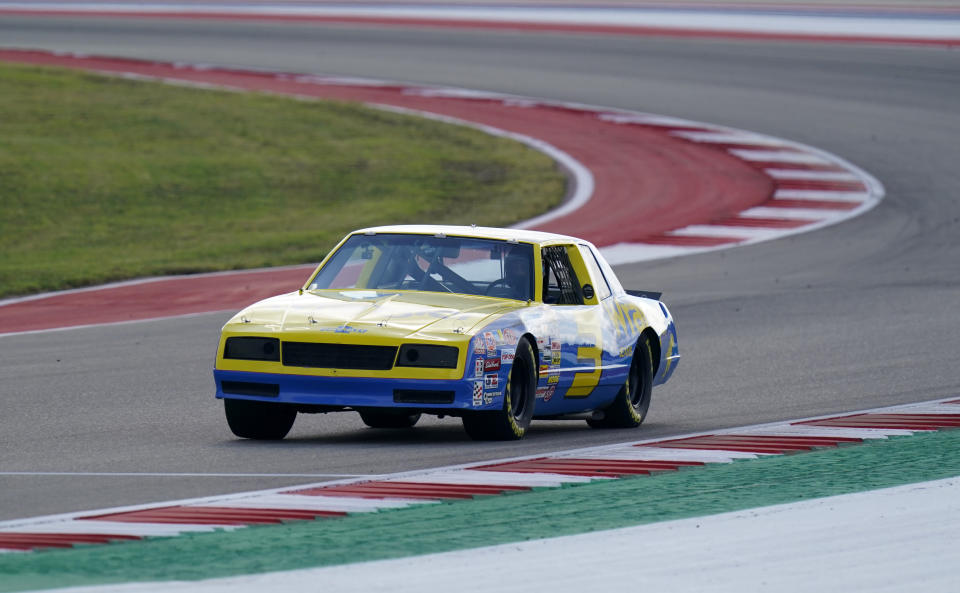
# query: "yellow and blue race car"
496,326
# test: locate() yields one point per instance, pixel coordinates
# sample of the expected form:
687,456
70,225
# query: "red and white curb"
337,499
890,24
644,186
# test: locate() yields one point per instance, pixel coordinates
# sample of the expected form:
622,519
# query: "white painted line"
811,175
724,232
778,156
728,138
790,213
810,194
319,503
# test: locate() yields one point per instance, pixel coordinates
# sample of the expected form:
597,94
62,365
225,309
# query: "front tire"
519,396
259,420
630,407
388,420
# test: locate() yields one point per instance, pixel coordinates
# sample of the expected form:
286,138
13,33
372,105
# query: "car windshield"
432,263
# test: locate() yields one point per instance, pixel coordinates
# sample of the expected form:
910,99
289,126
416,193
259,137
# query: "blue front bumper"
352,391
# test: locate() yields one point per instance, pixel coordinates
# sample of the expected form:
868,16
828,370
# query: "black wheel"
388,419
629,409
519,396
259,420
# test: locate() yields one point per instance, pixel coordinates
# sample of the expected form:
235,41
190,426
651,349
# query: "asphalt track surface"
858,315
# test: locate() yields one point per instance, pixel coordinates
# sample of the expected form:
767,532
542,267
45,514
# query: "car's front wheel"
259,420
630,407
519,396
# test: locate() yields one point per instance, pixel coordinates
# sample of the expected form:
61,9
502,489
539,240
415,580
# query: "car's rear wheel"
388,419
630,407
519,396
259,420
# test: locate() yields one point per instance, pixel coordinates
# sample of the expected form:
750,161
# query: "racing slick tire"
629,408
519,397
259,420
388,420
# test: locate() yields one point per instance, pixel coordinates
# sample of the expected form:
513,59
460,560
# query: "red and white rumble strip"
336,499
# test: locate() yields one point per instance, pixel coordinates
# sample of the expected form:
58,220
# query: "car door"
574,356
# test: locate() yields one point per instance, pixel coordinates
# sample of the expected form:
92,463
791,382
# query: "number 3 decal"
584,383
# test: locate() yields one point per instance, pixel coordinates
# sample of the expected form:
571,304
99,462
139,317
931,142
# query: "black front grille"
338,356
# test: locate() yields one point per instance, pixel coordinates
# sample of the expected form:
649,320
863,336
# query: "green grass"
104,178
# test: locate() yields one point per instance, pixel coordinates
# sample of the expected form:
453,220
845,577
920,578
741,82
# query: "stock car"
495,326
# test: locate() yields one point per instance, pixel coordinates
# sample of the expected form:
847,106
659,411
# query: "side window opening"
599,279
560,282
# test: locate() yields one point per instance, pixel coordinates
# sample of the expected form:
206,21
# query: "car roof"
479,232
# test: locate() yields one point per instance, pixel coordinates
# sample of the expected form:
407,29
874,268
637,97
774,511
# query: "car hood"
400,314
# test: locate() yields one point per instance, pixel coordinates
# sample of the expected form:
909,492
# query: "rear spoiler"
647,294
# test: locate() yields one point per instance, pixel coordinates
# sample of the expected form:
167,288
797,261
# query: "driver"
516,275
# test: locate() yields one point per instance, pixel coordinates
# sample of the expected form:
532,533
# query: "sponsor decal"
555,359
481,348
552,379
489,396
555,345
478,367
343,329
626,352
477,394
509,336
491,381
506,356
541,343
544,368
546,354
546,393
491,365
491,342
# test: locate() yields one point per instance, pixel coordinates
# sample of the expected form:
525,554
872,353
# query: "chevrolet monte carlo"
495,326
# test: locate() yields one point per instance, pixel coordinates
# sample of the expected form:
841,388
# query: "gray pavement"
858,315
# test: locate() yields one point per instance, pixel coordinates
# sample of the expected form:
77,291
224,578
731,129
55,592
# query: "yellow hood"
398,314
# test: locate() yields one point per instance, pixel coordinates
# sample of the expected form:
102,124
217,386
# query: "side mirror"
587,291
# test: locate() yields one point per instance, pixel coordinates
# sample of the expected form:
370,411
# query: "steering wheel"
492,287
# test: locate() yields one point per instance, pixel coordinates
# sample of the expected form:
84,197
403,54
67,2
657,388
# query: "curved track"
853,316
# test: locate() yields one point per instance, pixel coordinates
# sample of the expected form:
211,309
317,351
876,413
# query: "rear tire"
630,407
259,420
388,420
519,397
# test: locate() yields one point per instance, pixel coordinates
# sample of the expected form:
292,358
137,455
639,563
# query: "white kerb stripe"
650,120
495,478
728,138
672,454
117,528
622,253
804,430
808,175
791,213
318,503
725,232
778,156
811,194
